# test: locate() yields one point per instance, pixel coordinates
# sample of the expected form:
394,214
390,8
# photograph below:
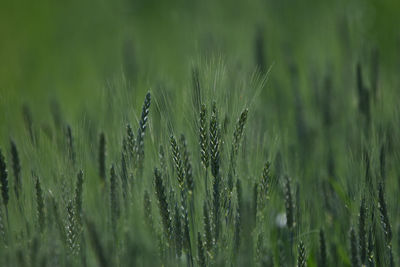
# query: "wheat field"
200,133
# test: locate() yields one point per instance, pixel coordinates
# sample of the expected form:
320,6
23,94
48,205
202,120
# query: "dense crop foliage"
269,148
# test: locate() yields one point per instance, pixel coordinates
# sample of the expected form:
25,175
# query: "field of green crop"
200,133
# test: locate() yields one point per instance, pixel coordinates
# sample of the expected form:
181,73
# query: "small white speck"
280,220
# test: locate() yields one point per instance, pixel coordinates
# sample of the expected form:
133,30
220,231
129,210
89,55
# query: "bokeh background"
67,52
72,47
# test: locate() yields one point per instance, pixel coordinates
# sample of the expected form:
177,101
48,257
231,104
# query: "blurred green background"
68,50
